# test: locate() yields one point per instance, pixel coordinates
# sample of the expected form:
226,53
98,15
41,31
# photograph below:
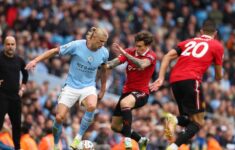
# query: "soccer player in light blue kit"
86,56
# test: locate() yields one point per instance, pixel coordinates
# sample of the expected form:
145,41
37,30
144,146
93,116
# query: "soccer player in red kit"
194,57
141,61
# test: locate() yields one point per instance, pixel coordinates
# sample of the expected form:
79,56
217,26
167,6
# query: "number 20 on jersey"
192,48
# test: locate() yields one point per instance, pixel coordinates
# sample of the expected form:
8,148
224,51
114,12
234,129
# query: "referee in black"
11,89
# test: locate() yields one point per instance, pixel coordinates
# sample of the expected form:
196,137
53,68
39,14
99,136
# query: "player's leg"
193,106
177,94
126,104
191,129
66,100
4,108
171,121
61,112
15,117
116,122
117,119
89,101
140,100
90,104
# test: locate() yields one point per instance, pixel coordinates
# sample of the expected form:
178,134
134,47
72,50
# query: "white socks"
79,137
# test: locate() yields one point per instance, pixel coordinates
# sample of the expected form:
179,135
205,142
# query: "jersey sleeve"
152,57
181,47
69,48
178,50
25,74
106,55
123,58
218,55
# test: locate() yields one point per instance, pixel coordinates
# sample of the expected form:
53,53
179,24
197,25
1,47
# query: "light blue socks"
86,122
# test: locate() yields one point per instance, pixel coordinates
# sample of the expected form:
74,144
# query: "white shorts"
69,96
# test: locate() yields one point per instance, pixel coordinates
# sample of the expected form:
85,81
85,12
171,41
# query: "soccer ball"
85,145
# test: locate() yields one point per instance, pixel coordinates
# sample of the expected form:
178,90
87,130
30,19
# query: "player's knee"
91,107
60,118
124,104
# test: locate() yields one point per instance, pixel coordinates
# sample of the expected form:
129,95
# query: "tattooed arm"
113,63
140,63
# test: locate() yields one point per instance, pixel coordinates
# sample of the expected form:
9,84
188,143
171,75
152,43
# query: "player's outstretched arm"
112,63
103,79
171,55
218,72
45,55
156,84
140,63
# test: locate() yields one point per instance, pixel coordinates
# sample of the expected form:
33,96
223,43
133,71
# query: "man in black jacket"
10,88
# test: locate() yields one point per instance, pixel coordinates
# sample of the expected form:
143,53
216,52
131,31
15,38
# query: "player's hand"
31,65
117,47
156,85
22,89
20,93
106,66
1,82
101,94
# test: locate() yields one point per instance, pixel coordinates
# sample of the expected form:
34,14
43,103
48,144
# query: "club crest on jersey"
131,68
90,59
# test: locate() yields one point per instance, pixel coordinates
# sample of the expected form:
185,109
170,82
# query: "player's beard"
10,52
96,47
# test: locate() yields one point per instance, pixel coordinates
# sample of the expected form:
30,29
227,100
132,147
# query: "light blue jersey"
84,63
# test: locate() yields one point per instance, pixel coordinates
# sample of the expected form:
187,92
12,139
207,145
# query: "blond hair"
96,31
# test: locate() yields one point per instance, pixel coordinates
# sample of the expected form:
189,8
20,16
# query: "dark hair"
145,36
209,27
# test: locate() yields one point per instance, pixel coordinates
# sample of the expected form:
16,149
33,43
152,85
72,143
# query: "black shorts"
141,99
189,97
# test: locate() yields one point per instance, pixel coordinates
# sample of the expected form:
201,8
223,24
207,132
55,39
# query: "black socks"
183,121
127,121
135,136
190,130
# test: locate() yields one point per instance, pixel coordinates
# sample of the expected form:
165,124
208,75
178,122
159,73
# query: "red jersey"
138,79
196,56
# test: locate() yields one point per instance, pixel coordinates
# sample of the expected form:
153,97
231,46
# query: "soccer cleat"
143,143
170,126
75,144
128,144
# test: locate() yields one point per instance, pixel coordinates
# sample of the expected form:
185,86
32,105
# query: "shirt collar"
136,54
207,36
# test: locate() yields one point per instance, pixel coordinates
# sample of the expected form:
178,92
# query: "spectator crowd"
39,25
